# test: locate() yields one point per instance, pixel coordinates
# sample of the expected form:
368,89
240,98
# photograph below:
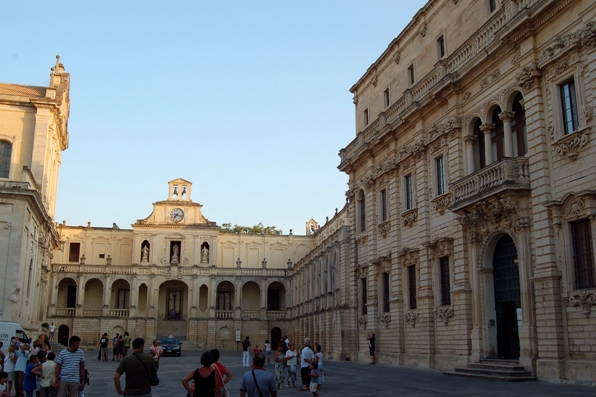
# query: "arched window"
361,212
518,128
497,136
5,153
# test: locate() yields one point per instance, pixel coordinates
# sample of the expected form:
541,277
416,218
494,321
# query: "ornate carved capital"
487,128
529,75
506,115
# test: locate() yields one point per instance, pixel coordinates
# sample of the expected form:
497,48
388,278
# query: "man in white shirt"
306,358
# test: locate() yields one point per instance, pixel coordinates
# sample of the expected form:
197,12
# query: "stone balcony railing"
506,174
66,311
224,314
247,314
119,312
276,314
93,312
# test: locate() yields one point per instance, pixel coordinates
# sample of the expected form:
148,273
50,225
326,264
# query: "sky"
248,100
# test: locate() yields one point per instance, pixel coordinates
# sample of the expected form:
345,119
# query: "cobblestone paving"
344,379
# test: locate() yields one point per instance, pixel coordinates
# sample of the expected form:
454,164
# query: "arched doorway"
275,337
63,334
507,297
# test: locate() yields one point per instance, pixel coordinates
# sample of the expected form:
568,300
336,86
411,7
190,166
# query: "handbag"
153,378
224,391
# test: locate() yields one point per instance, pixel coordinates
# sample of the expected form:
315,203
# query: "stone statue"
205,255
176,250
145,256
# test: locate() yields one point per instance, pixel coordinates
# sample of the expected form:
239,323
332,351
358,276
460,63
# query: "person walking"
52,329
268,351
246,352
224,373
371,347
126,344
258,382
115,346
206,379
70,369
156,352
306,358
138,368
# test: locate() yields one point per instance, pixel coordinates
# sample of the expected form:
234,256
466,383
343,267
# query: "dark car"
171,346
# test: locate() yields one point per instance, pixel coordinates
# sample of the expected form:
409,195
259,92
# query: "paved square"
345,379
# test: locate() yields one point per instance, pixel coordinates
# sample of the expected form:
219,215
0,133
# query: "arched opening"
275,337
518,127
67,297
5,155
143,296
276,297
145,251
172,309
63,334
507,297
93,302
203,298
497,136
120,298
251,297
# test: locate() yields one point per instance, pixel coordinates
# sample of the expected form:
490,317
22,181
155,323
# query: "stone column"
80,296
506,118
107,294
477,333
487,129
470,164
134,297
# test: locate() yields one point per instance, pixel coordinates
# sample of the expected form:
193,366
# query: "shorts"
11,376
371,351
267,353
313,386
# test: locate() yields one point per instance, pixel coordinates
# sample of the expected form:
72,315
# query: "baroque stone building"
173,273
33,133
472,194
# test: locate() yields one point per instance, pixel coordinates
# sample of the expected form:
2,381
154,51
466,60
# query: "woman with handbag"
224,373
206,379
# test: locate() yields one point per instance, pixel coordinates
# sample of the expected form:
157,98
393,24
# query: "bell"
175,191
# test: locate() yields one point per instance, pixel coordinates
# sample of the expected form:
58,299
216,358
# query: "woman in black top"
206,380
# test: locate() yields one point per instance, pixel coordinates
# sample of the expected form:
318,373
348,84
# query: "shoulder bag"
256,383
153,378
224,391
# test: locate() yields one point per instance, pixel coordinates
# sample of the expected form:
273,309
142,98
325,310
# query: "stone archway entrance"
275,337
63,332
507,297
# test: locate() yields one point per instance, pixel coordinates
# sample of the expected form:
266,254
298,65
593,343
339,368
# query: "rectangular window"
409,193
365,117
569,107
174,305
440,167
123,299
386,98
386,292
363,295
74,251
411,79
5,153
273,299
441,47
383,203
412,286
583,255
492,5
224,300
445,282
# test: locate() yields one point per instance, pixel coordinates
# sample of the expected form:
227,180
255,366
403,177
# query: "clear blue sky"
248,100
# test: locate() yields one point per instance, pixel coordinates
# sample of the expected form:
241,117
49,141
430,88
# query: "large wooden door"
507,298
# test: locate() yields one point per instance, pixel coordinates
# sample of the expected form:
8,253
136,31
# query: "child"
256,349
319,357
292,357
314,378
31,373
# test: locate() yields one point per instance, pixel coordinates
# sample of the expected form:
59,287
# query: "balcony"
249,314
224,314
92,312
505,174
119,313
66,311
276,314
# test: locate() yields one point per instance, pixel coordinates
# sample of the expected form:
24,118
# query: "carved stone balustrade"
506,174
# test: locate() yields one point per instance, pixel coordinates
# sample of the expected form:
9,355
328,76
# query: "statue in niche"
205,254
145,256
175,251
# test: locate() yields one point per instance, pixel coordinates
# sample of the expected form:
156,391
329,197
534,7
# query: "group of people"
120,346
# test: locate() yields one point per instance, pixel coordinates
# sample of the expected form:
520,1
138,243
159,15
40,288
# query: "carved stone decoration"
445,313
588,113
423,29
411,317
409,256
368,182
350,194
574,208
385,319
588,35
173,274
410,217
453,126
363,321
585,299
467,95
383,228
516,58
441,203
397,57
522,222
363,239
561,67
569,145
355,98
529,75
442,247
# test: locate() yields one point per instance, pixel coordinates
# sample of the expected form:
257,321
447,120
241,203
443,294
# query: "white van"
9,329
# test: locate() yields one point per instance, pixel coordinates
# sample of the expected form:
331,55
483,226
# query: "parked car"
171,346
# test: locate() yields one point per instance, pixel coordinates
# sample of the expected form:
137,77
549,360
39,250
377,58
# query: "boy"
31,372
48,368
314,378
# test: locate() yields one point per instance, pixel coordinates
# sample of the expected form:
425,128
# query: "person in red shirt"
224,373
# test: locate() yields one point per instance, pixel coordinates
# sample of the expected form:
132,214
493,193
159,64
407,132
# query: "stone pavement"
344,379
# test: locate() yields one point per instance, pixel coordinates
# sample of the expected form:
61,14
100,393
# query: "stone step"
493,371
492,377
510,367
502,370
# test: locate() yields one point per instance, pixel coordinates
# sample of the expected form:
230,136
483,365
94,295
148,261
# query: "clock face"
177,214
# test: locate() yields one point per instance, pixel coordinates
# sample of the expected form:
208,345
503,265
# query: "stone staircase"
501,370
57,347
